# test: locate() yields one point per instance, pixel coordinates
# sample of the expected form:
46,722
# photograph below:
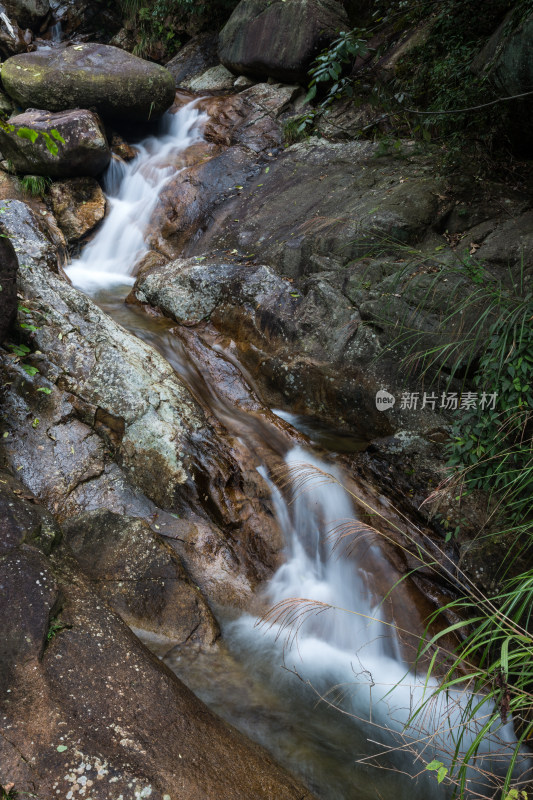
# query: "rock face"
122,723
141,577
28,13
118,429
8,285
115,83
279,39
508,62
79,205
79,137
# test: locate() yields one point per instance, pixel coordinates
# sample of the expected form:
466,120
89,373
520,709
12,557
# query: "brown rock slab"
78,204
141,577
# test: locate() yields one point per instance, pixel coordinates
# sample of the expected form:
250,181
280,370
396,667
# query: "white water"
132,191
8,24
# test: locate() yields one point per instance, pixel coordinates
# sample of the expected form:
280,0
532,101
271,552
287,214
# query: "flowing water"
264,679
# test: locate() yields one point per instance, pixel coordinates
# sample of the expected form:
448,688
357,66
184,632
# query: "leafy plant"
50,139
35,185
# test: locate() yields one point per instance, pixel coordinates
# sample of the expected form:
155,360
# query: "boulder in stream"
115,83
276,39
84,707
69,143
78,204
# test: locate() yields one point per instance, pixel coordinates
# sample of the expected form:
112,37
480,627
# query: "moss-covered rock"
69,143
113,82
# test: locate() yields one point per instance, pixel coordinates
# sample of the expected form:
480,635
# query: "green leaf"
28,133
434,765
55,133
44,390
61,748
441,774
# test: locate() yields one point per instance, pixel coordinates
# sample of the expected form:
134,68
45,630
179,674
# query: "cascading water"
132,191
355,647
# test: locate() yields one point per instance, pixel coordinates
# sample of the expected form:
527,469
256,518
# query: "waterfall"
132,191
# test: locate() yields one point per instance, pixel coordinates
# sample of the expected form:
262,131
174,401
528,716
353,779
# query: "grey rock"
115,83
81,150
278,39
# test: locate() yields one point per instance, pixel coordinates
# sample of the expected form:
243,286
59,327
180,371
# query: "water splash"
132,191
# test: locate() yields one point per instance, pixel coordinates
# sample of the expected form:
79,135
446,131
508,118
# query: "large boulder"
85,709
507,61
28,13
115,83
8,286
69,143
278,39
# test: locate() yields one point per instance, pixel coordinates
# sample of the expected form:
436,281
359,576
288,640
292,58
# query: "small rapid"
332,629
132,190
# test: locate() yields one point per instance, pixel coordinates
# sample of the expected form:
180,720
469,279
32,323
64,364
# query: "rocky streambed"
171,465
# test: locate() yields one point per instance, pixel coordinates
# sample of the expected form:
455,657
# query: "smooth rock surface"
84,706
115,83
142,578
278,39
82,148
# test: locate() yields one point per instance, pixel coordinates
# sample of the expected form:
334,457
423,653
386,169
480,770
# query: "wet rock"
141,577
354,199
6,105
115,83
27,13
278,39
79,205
70,143
117,428
304,344
95,21
189,197
8,285
124,723
29,237
12,40
121,148
253,118
194,58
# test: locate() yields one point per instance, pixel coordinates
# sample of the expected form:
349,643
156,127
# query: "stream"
264,679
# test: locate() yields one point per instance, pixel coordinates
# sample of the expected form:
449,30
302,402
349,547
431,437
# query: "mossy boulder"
116,84
68,143
278,39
